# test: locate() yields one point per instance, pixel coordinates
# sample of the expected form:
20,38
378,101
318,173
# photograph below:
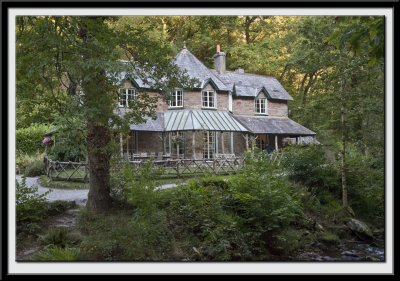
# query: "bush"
309,166
366,186
34,169
65,151
122,235
29,140
30,206
25,160
55,253
264,199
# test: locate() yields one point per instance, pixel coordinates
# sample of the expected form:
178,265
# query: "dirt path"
30,245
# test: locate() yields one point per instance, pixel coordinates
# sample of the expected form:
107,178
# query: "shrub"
309,166
66,151
29,140
25,160
30,206
55,253
197,213
35,168
366,186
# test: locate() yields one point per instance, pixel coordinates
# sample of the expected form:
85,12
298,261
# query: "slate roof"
241,84
150,124
270,125
244,84
198,120
196,69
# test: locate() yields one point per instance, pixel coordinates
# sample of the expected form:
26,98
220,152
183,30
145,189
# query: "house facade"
224,115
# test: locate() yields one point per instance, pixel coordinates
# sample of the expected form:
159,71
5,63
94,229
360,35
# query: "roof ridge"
244,74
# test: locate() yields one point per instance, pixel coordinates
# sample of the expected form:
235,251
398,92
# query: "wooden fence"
66,171
181,167
74,171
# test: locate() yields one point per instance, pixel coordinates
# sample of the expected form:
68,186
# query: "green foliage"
29,140
56,236
328,238
35,168
264,198
49,183
366,183
70,139
25,160
121,235
30,207
138,186
55,253
308,165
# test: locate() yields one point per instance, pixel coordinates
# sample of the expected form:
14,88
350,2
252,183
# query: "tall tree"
80,56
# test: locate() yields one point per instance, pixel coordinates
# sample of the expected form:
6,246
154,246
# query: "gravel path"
78,195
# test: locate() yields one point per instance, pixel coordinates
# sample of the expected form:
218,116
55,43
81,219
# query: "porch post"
247,141
120,145
127,145
136,142
222,143
216,142
194,144
276,142
232,143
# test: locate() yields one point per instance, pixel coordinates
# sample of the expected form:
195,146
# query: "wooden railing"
75,171
180,167
66,171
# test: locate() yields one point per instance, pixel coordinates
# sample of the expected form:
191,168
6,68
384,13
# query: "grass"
55,253
57,184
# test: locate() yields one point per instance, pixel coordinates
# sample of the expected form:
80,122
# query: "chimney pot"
218,49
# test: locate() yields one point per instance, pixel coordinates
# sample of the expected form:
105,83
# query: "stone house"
223,116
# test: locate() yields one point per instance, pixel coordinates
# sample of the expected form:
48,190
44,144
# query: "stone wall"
277,108
245,106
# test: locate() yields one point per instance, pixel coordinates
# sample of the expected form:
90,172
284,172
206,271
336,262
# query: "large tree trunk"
98,139
98,99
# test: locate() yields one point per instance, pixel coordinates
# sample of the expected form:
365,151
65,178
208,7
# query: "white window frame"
212,97
125,95
174,99
258,106
209,141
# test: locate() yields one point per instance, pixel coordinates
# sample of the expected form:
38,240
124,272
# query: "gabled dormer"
261,101
128,91
209,94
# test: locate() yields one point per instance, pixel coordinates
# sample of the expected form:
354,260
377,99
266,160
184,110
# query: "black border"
5,5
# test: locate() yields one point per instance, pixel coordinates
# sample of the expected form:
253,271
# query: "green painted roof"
197,120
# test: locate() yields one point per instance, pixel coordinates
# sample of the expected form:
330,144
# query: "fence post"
177,168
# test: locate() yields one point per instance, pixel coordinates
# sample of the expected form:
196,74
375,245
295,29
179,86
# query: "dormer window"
261,106
126,95
176,99
208,99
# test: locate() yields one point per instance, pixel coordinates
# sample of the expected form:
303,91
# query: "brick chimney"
220,61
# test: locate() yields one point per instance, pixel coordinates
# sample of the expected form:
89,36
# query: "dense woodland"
332,66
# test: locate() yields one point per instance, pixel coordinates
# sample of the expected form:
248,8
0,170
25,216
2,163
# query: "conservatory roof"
196,120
